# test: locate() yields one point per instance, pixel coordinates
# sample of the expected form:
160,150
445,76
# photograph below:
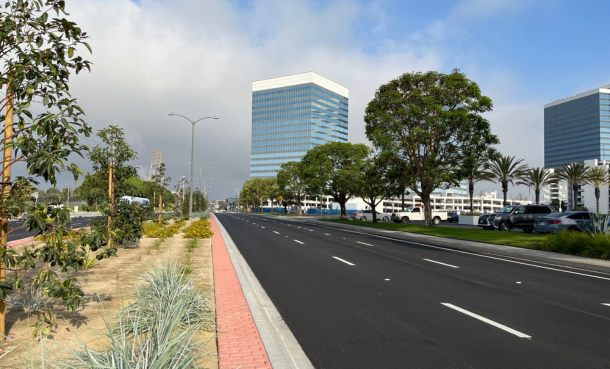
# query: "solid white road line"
438,262
497,325
345,261
362,243
606,304
276,232
470,253
302,243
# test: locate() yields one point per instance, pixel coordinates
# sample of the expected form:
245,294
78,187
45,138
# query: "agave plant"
598,225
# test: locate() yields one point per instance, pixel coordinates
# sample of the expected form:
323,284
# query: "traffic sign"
280,198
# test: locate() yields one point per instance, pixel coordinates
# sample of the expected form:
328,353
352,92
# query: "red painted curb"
239,343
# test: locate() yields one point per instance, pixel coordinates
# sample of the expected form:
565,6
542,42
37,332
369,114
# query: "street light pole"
192,157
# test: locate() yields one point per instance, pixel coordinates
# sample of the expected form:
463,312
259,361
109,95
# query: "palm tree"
598,177
575,174
505,170
537,178
475,172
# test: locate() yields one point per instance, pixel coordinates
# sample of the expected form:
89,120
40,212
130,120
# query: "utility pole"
68,201
6,180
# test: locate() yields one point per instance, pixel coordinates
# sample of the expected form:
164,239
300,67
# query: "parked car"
515,216
453,217
417,213
368,215
566,221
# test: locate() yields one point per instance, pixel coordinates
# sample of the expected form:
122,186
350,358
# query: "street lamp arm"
193,123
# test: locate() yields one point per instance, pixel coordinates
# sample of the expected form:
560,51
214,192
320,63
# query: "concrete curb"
572,261
283,349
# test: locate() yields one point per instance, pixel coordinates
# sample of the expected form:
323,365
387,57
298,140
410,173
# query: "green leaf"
70,52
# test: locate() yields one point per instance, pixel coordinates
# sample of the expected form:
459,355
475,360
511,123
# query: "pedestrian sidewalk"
548,257
239,343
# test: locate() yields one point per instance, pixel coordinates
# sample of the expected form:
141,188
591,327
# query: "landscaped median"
571,243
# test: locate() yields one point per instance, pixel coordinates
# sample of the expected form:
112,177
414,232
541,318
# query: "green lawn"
515,238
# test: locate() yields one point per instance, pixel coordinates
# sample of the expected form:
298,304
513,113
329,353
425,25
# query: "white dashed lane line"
302,243
276,232
326,234
362,243
605,304
488,321
438,262
344,261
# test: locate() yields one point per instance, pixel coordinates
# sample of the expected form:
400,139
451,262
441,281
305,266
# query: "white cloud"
199,57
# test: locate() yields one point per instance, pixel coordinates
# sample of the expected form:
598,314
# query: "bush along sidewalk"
593,241
158,330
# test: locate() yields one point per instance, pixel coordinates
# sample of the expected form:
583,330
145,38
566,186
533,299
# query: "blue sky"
199,58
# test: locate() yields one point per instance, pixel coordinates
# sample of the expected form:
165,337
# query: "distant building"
577,128
291,115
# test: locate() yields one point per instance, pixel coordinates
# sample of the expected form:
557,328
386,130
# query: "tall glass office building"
577,128
291,115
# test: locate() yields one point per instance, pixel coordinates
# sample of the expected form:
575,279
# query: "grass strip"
515,238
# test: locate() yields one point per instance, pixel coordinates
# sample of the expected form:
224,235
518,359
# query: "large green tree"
291,185
507,170
431,121
598,177
376,182
256,192
38,53
333,169
536,178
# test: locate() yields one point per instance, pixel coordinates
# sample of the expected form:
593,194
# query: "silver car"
368,215
566,221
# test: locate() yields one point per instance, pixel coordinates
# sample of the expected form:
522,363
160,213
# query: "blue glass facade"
577,130
288,121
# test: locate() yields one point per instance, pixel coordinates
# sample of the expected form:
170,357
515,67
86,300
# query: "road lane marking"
311,230
362,243
276,232
606,304
438,262
302,243
387,279
326,234
471,253
345,261
488,321
262,227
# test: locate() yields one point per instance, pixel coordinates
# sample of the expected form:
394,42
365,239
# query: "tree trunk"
597,193
403,199
471,192
537,192
342,200
373,206
574,190
505,193
427,210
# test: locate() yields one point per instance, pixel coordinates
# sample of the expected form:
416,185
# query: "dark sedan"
453,217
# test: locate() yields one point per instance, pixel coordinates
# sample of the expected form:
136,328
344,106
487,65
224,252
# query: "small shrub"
577,243
198,229
154,230
191,245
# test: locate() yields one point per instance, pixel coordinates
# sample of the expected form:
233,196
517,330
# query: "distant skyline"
199,58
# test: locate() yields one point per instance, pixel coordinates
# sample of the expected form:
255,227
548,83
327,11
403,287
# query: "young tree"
536,178
333,169
291,184
161,182
506,170
111,162
575,174
38,57
431,121
376,183
598,177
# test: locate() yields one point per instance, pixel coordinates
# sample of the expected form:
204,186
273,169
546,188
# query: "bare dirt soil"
108,285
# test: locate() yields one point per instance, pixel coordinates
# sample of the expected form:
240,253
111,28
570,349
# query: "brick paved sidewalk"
239,343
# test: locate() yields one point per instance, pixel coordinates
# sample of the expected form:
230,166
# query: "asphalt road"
361,301
16,232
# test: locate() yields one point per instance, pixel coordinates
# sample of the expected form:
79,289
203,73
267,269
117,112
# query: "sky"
198,58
